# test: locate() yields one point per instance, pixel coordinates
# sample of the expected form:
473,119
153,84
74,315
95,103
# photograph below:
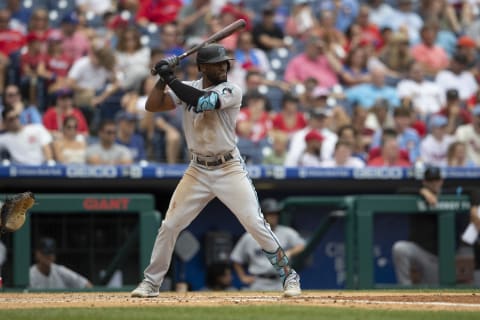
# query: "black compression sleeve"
185,92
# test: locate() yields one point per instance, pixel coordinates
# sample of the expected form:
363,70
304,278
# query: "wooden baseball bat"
221,34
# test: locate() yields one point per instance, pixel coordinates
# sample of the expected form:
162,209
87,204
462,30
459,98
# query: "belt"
220,159
268,276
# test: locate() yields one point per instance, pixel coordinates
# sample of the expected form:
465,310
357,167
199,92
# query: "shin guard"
280,262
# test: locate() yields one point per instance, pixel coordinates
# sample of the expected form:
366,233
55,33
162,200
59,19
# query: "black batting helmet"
212,53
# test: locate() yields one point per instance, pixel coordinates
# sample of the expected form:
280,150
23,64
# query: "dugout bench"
141,204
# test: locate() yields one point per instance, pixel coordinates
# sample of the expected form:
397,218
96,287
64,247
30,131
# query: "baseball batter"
210,106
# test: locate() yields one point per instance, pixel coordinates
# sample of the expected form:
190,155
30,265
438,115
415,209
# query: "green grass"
234,312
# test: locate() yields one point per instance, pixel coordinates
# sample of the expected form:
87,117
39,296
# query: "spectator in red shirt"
289,119
369,31
390,155
10,41
39,24
457,115
54,117
158,11
29,66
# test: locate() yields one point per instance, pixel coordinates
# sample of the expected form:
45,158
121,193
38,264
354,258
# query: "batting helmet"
212,53
270,205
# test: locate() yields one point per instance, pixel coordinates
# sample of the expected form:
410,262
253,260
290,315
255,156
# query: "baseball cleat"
145,290
291,286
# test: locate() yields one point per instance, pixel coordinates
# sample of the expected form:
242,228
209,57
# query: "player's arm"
242,275
158,99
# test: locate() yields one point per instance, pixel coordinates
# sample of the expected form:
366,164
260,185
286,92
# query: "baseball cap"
64,92
313,135
47,245
437,121
319,92
319,112
270,205
476,110
55,35
466,41
452,94
124,115
432,173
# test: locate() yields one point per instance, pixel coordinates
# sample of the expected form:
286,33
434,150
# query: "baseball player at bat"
210,107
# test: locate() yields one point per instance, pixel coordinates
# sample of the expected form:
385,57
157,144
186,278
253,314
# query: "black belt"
220,160
268,276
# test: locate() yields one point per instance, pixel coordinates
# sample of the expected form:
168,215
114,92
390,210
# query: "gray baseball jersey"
60,277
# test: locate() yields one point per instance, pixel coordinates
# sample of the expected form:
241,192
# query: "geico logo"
92,171
390,173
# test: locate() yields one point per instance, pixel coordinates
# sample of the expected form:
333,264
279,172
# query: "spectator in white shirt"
458,77
434,147
310,156
342,157
427,96
470,135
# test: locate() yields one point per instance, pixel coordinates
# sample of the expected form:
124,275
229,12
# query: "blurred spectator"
236,9
348,134
69,147
132,58
56,65
170,40
253,127
395,56
343,157
29,114
301,20
267,34
427,97
219,277
26,144
311,155
158,12
433,148
432,57
75,43
306,93
39,24
457,155
54,116
277,154
366,94
455,111
370,32
99,8
405,19
217,23
10,41
316,62
248,56
466,46
355,68
192,19
289,119
106,151
408,138
458,77
390,155
247,253
334,39
46,274
20,15
344,11
126,135
379,116
380,12
470,135
316,121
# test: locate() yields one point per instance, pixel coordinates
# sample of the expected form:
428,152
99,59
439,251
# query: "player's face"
215,72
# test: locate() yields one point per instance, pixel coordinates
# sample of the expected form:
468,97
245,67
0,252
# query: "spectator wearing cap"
259,274
455,111
316,121
128,137
70,147
158,12
315,62
289,119
408,138
380,12
434,147
57,64
431,56
458,77
468,47
311,156
267,34
470,135
343,157
26,144
415,259
54,117
75,43
46,274
426,96
107,151
29,113
390,152
366,94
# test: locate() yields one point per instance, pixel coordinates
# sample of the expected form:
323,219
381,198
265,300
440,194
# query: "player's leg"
190,197
407,254
235,189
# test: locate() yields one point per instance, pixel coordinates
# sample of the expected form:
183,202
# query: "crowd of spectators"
327,83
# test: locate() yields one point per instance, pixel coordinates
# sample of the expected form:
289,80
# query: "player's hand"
166,73
171,62
247,279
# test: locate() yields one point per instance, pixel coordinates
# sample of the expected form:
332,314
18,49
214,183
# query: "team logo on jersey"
227,91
